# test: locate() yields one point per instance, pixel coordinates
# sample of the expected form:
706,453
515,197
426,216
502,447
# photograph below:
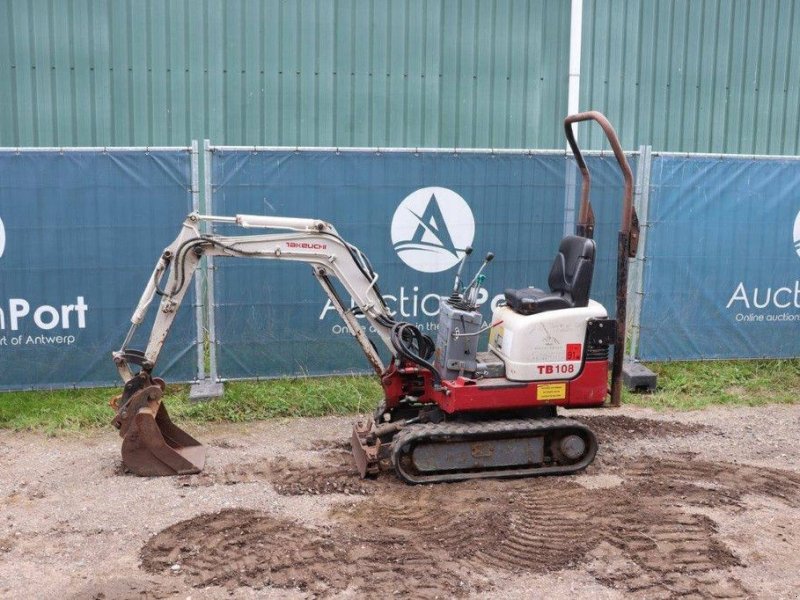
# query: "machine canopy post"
628,234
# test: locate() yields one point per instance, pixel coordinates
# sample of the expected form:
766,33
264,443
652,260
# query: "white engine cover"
545,346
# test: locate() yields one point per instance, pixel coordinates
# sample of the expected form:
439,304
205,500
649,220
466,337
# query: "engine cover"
544,346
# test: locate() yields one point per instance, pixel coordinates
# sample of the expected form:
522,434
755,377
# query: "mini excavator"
450,412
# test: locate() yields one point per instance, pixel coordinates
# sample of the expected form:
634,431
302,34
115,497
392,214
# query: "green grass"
694,385
682,386
80,409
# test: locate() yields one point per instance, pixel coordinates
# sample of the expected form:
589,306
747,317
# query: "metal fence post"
210,386
636,289
211,307
198,284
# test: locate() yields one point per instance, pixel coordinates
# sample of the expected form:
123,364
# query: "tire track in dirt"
658,549
662,551
725,482
240,547
548,528
639,536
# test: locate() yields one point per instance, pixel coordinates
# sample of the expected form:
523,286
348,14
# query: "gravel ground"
697,504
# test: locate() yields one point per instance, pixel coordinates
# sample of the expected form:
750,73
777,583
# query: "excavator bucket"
152,445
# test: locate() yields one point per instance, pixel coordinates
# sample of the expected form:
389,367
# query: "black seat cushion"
570,280
529,301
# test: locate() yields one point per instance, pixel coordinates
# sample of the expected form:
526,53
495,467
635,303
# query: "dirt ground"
698,504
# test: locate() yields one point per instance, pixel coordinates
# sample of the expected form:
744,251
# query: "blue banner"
80,232
722,269
412,214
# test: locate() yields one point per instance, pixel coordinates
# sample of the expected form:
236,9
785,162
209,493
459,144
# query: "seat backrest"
573,268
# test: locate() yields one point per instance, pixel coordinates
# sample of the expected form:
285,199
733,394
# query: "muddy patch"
227,475
251,548
6,544
642,534
617,428
705,483
330,447
225,444
640,526
125,589
335,475
333,471
643,574
113,468
24,492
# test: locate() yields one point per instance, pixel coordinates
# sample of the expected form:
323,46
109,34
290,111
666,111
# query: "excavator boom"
153,445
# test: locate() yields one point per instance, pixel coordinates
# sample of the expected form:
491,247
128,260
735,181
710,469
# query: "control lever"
486,261
471,291
467,252
473,295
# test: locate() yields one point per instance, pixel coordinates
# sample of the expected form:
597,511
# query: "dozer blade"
366,448
152,444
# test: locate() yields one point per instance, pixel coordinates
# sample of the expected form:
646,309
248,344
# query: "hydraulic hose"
413,345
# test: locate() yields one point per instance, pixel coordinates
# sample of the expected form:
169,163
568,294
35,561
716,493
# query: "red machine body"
588,389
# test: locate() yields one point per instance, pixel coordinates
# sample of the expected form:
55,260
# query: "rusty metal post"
628,239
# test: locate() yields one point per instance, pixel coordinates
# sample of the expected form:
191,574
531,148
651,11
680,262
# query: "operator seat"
570,280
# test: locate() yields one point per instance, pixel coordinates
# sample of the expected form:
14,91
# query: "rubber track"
462,431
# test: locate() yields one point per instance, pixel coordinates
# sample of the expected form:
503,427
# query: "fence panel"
80,231
722,273
411,213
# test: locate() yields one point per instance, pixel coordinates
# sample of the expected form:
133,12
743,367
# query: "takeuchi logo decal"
431,229
2,238
796,234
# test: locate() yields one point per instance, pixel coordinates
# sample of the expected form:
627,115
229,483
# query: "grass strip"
682,386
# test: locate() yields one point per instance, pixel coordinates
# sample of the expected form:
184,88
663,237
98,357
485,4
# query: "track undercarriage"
472,447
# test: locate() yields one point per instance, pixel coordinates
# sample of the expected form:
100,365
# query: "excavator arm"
310,241
152,444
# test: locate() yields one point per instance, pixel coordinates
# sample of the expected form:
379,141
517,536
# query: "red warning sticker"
574,351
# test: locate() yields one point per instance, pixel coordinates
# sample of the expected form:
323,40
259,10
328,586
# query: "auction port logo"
431,229
796,234
2,238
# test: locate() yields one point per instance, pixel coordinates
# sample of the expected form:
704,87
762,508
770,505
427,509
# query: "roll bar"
628,238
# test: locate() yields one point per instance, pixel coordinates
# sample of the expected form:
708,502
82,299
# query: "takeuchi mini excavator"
449,410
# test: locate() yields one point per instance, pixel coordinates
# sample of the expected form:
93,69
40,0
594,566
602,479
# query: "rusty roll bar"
628,239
